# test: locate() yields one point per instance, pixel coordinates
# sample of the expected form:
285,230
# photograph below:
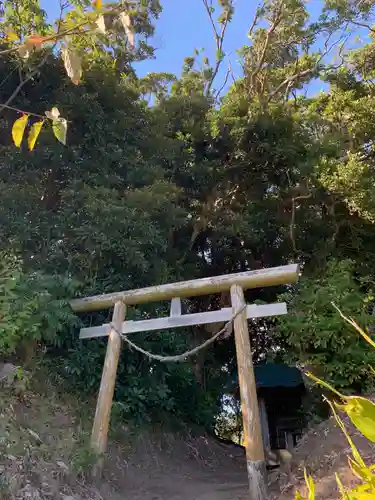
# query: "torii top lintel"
260,278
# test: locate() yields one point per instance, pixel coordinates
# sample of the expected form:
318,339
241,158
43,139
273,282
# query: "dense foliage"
205,181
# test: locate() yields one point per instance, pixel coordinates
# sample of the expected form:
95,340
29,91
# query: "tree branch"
23,83
292,225
275,23
22,111
219,40
255,19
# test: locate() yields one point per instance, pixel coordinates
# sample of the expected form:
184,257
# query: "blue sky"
184,26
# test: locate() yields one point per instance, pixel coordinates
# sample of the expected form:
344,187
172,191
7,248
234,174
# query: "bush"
33,309
314,335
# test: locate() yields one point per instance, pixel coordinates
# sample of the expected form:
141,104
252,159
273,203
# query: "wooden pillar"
100,428
256,467
264,425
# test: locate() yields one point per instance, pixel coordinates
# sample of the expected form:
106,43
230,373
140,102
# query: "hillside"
323,451
44,456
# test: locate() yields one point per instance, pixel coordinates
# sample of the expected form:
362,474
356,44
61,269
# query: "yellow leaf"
325,384
356,455
34,134
12,37
72,63
361,411
59,128
310,484
18,129
358,471
97,4
356,326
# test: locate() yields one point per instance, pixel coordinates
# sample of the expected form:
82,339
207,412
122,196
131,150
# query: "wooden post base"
256,473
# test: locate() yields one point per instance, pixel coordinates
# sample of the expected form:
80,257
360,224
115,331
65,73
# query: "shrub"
316,337
32,307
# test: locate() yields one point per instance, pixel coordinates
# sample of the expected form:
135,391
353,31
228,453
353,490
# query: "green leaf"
361,412
34,134
18,129
60,127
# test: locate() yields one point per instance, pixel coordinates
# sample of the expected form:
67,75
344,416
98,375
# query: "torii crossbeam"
236,283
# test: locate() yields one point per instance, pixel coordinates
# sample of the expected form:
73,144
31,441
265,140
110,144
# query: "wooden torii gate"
236,283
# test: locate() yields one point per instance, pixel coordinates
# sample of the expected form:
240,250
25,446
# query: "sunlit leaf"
53,114
299,496
34,134
361,412
12,37
60,127
356,469
356,326
344,493
128,27
356,455
98,4
18,129
310,485
100,22
34,41
325,384
24,52
72,63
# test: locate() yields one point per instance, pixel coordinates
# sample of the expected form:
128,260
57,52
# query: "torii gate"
236,283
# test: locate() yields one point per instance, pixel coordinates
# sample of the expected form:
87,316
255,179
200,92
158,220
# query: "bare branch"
219,40
23,82
274,25
363,25
256,18
22,111
292,225
228,73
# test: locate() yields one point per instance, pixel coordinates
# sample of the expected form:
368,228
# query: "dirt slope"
323,451
44,456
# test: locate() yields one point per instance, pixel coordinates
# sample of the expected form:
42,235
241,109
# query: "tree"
203,181
82,32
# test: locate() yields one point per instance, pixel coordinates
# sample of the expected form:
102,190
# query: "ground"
44,455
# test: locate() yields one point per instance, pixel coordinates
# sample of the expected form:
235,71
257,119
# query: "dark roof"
277,375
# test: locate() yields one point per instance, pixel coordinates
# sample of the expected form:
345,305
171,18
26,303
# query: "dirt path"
44,456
